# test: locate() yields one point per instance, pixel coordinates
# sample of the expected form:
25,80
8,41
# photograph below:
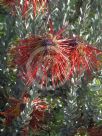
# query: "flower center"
47,42
73,42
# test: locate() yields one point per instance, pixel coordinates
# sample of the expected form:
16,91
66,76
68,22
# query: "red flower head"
38,114
38,5
84,57
17,106
95,131
9,3
43,60
11,112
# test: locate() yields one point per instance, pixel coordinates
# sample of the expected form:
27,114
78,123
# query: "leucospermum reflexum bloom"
43,60
11,112
25,5
7,2
84,57
10,5
38,6
38,115
50,60
17,106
